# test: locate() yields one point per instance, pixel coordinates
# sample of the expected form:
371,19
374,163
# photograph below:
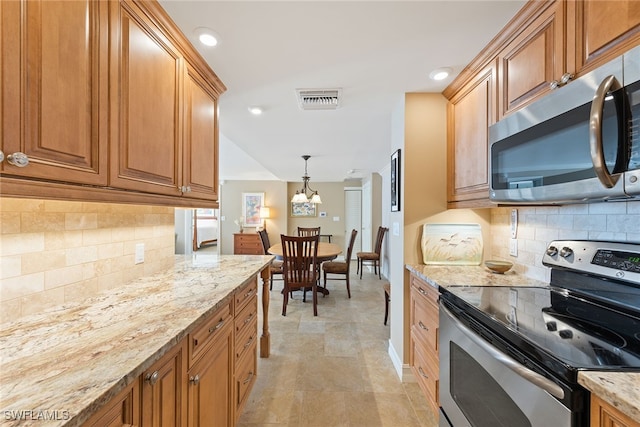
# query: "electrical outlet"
139,259
513,247
513,298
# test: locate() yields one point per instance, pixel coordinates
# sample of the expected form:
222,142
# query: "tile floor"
334,369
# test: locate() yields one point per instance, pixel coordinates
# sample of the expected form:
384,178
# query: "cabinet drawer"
425,368
202,337
425,290
424,320
247,316
245,294
245,376
246,338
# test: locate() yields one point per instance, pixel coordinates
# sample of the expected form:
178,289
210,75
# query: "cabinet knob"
566,78
18,159
1,156
554,85
152,378
195,380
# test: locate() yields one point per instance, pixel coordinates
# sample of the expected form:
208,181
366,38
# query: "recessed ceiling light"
207,36
440,73
255,110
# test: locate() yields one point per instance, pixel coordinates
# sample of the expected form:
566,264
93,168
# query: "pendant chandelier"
306,194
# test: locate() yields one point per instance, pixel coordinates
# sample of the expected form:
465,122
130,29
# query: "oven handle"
531,376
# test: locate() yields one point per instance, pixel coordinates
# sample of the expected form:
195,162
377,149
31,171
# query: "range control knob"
552,326
565,334
552,251
566,252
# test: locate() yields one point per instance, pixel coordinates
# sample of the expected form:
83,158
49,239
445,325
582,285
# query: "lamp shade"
265,212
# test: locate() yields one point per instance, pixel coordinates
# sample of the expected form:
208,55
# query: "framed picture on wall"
303,209
395,181
251,203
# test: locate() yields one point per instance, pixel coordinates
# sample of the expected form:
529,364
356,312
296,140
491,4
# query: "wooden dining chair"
300,268
372,257
308,231
340,268
276,265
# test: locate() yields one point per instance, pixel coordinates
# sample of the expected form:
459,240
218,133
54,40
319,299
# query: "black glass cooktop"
561,329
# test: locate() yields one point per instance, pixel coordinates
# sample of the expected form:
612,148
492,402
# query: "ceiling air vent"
318,99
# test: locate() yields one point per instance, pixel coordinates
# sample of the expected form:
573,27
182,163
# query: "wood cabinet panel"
163,401
122,409
605,29
469,116
204,336
533,60
201,138
145,154
210,388
54,95
605,415
423,350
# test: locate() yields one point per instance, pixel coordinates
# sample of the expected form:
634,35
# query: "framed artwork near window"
395,181
303,209
251,203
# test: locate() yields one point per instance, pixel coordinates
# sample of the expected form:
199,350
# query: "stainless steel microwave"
580,143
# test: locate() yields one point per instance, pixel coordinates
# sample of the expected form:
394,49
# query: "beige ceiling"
374,50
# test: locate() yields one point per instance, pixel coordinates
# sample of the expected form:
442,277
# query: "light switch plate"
139,253
514,223
513,247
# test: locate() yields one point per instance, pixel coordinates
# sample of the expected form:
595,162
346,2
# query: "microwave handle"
531,376
595,131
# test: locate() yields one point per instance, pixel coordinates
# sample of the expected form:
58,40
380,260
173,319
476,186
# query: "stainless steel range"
510,356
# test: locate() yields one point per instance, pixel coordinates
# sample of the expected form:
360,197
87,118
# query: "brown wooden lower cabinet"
204,380
162,390
122,409
423,352
606,415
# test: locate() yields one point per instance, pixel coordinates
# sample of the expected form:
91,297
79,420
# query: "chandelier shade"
306,194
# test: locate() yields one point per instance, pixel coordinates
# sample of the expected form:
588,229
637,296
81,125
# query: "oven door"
482,387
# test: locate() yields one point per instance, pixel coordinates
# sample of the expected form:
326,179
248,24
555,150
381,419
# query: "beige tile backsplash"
537,226
54,252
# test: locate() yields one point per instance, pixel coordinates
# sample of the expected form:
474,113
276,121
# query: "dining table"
326,252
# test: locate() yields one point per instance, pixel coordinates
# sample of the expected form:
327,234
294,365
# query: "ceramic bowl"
498,266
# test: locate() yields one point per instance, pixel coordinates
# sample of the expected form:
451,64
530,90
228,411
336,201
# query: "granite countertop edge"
53,363
620,389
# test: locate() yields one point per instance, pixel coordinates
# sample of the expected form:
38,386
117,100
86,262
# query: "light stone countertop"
620,389
67,362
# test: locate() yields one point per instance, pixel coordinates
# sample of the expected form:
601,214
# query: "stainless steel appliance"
577,144
510,356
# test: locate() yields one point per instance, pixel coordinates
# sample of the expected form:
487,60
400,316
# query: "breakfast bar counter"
60,366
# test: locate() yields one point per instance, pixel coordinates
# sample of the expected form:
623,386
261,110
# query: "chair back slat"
264,238
380,238
300,260
352,241
308,231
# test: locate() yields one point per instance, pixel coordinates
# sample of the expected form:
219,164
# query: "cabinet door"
533,60
470,113
605,415
605,29
147,77
55,87
200,140
122,409
210,388
162,394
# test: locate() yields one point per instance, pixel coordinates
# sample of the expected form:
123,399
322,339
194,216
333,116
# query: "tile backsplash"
54,252
537,226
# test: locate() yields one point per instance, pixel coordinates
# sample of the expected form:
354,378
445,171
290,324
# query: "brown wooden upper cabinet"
545,46
166,111
54,98
471,112
535,59
106,101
